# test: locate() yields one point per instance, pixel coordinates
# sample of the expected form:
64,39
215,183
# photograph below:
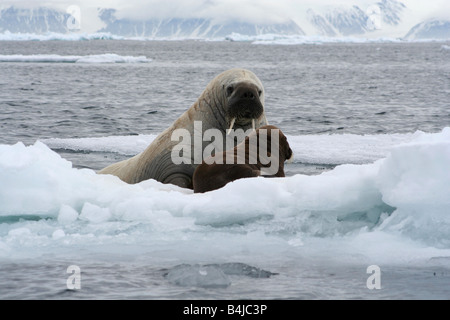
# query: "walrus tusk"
265,119
231,125
253,124
291,159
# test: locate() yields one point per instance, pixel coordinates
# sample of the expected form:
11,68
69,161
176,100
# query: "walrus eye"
230,90
259,93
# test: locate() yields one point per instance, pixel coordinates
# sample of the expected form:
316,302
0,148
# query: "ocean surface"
369,125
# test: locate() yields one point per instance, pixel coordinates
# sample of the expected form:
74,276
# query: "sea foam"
56,58
52,36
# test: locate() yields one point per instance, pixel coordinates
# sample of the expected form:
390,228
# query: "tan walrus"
262,153
233,99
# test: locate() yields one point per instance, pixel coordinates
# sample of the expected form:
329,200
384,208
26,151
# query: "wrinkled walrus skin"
234,97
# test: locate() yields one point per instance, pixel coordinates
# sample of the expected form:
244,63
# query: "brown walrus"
233,99
248,159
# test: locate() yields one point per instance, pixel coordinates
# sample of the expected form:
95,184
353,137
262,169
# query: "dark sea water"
368,88
325,89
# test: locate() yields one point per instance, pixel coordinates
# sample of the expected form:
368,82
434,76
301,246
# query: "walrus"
248,159
233,99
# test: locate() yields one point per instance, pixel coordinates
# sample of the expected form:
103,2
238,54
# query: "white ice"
268,39
277,39
394,208
309,149
8,36
56,58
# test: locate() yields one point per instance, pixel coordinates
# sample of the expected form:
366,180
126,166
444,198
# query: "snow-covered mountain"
188,28
43,20
434,29
35,20
354,21
385,18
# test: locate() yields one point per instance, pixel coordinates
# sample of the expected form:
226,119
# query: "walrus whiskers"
231,125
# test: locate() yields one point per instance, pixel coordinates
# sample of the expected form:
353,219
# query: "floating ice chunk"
417,174
439,261
296,242
112,58
67,214
56,58
58,234
94,213
19,232
242,269
34,179
415,178
278,39
406,194
127,145
198,276
8,36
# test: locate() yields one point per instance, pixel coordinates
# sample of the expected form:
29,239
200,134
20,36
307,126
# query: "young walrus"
262,153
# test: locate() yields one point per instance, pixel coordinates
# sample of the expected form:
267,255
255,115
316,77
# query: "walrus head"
282,145
242,95
244,104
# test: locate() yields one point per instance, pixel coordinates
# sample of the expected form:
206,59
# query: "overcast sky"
260,8
247,10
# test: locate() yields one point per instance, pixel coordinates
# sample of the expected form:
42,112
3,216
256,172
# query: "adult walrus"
233,99
262,153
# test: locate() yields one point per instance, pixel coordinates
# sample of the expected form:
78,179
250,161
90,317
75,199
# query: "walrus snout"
248,93
243,92
244,103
